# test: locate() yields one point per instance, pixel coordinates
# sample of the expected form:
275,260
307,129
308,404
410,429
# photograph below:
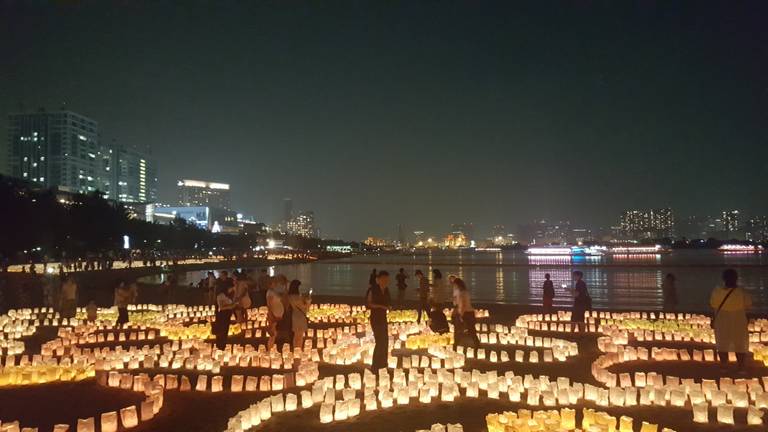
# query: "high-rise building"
59,149
197,193
135,175
655,223
757,229
287,211
303,225
401,236
731,224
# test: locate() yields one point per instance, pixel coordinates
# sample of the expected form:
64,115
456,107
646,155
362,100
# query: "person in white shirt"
299,307
225,304
275,306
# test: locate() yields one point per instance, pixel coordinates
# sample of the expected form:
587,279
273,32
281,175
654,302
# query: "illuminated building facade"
642,224
59,149
757,229
198,193
303,225
135,175
207,218
731,224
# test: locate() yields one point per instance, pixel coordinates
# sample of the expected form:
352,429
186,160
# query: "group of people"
378,301
287,306
730,304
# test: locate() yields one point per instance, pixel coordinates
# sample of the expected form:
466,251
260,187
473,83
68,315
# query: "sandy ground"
44,405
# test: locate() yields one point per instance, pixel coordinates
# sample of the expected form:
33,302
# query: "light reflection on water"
623,282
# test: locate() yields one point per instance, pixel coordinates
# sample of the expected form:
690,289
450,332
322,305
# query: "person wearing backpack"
730,303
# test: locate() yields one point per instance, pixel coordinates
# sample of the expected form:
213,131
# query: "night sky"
415,112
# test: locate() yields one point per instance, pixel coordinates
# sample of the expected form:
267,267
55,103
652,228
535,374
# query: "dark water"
632,282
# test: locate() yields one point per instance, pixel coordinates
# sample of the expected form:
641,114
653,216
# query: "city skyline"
374,115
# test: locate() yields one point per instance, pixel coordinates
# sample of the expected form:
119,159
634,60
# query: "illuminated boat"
565,251
638,250
739,248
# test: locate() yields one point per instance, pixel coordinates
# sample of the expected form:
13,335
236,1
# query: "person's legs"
272,332
741,359
469,322
298,338
723,357
381,350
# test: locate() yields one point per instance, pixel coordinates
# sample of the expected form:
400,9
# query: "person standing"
225,304
209,287
438,286
549,294
372,278
262,285
464,311
68,300
299,307
242,298
730,303
122,299
401,278
581,302
378,302
423,294
275,307
670,293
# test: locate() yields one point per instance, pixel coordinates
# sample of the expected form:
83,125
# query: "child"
437,320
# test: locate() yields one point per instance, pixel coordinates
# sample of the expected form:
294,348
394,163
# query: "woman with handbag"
730,303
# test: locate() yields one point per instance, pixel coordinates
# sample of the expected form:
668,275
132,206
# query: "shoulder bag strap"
722,303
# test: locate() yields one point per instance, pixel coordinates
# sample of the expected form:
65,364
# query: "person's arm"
713,303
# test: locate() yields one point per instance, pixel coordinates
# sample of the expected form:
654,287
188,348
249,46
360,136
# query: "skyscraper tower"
287,211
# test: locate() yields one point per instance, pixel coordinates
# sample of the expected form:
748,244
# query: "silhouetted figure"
423,294
372,278
122,299
730,303
225,304
549,294
438,286
68,297
582,302
378,302
669,290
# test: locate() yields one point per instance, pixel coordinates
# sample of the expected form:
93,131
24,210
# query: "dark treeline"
37,225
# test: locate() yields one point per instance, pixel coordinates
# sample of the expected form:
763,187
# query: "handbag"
717,312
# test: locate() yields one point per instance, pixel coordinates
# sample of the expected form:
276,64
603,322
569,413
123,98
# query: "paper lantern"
129,417
291,402
61,428
341,412
109,422
202,383
86,425
326,412
237,383
217,384
725,414
754,416
701,413
276,401
353,407
649,427
740,399
147,410
306,399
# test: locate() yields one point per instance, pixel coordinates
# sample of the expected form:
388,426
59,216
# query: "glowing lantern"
202,383
326,413
725,414
86,425
754,416
701,413
291,402
129,417
109,422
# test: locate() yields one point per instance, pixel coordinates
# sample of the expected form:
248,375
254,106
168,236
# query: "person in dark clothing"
378,302
372,278
582,302
225,305
423,294
670,293
438,323
401,285
549,294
